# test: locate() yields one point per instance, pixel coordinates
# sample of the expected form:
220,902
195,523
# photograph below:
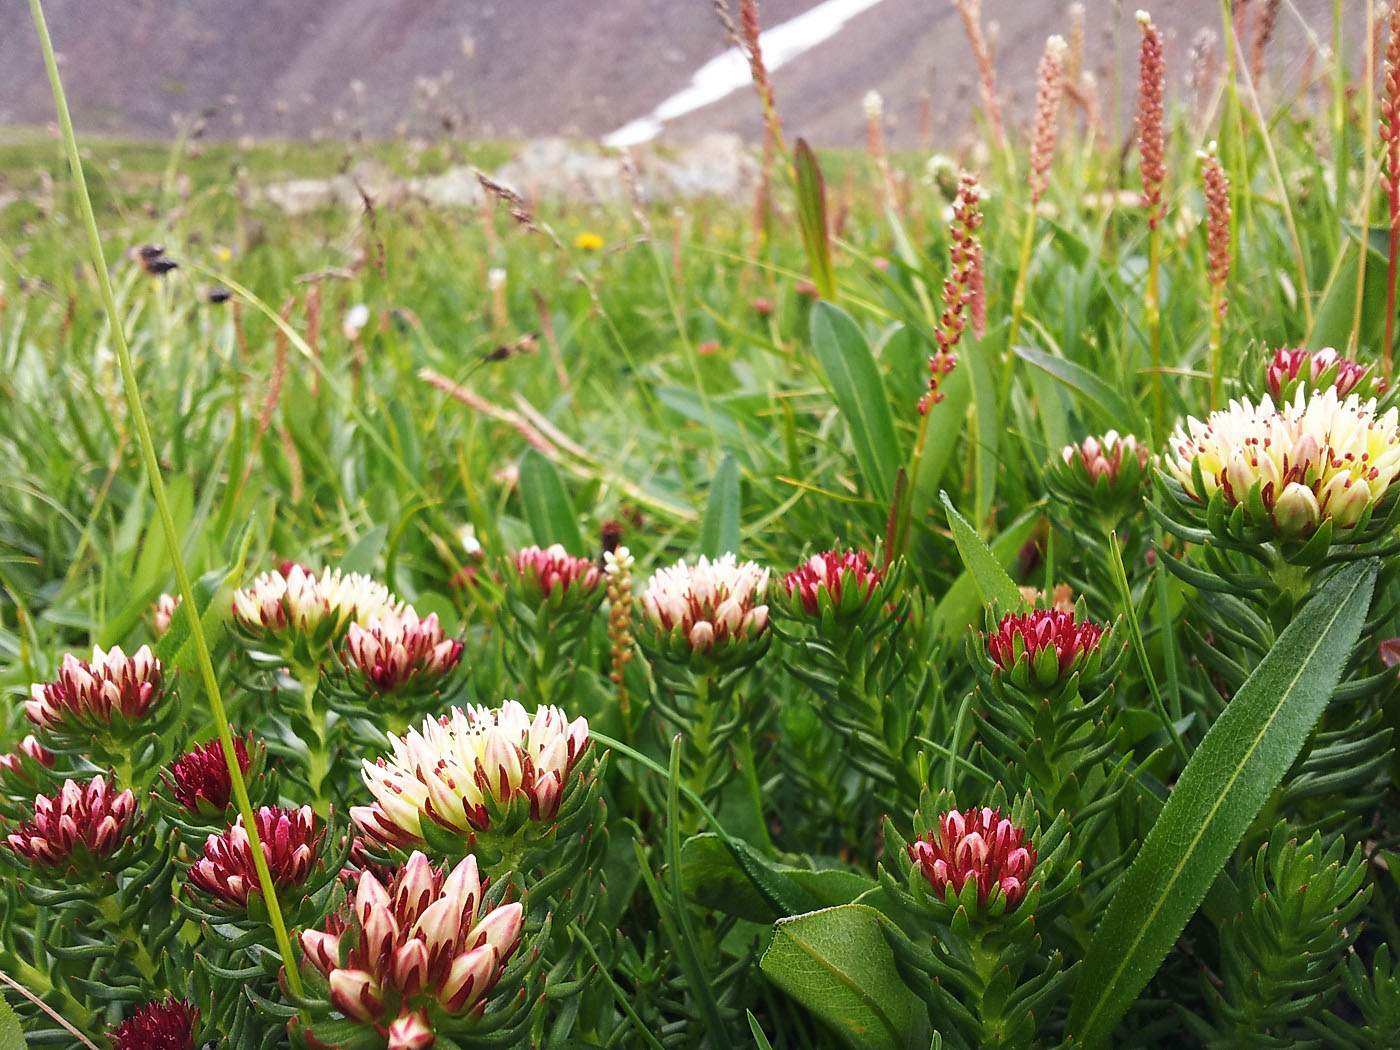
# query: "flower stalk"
152,463
1217,192
1390,178
1152,79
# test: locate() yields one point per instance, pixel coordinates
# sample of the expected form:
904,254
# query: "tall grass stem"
167,520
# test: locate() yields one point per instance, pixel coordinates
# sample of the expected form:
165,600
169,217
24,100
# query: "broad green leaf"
961,603
547,507
837,963
733,878
1108,404
1242,759
719,531
855,382
11,1034
811,218
989,427
1336,314
988,576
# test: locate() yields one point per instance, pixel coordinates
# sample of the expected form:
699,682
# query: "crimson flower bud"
199,778
83,822
290,843
981,848
112,691
163,1025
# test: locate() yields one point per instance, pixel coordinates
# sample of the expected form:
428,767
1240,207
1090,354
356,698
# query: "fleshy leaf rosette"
496,782
166,1024
420,955
836,589
1104,476
709,615
81,827
1316,468
297,614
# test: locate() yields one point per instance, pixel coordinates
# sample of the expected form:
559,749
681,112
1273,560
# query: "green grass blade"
1107,403
719,530
855,382
811,218
547,507
1230,776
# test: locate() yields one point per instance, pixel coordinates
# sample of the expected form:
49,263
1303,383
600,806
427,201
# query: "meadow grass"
638,370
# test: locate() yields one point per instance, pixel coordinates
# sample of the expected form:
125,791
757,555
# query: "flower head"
400,652
81,823
290,843
1315,458
472,771
425,938
159,1025
199,779
294,604
708,606
1289,370
842,581
113,690
20,762
981,848
162,613
554,575
1042,648
588,241
1103,473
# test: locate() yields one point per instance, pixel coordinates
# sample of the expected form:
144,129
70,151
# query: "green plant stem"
167,520
318,761
110,909
1018,302
1216,363
1153,309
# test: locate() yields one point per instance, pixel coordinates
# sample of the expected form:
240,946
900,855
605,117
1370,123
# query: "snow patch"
728,72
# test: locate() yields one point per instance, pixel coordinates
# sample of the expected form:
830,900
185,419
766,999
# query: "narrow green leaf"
547,507
719,530
760,1040
990,579
961,603
811,218
1106,402
1231,774
837,963
855,382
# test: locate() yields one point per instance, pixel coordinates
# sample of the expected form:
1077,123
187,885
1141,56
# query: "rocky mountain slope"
526,68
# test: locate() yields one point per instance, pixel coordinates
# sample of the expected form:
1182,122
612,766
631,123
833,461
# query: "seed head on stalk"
1152,79
1049,91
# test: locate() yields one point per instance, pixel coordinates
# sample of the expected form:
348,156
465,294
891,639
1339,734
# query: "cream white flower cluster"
1314,458
458,768
708,603
297,600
